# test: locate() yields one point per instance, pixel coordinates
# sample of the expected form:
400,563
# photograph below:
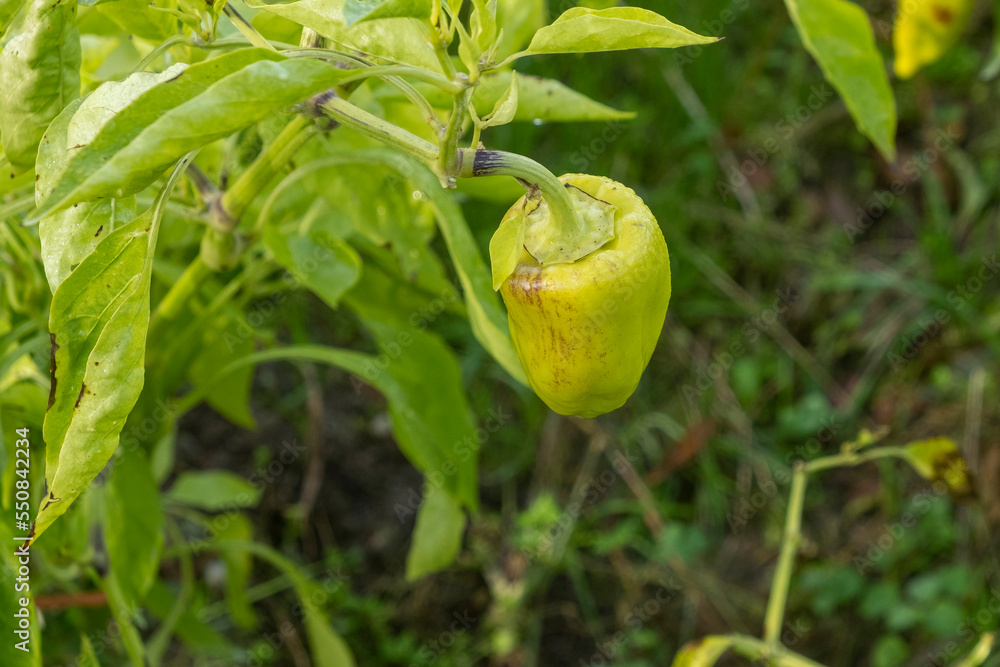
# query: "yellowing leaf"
839,36
925,30
939,459
505,249
505,108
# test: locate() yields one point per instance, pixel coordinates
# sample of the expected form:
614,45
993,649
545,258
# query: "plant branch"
449,160
246,29
178,294
778,598
332,105
272,159
756,649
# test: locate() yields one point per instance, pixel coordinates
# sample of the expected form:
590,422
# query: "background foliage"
273,516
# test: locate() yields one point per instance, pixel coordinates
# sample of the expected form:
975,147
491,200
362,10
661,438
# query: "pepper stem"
494,163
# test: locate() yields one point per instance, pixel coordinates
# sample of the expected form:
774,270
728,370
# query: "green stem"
756,649
449,162
374,127
171,304
252,181
775,615
246,29
491,163
854,458
157,646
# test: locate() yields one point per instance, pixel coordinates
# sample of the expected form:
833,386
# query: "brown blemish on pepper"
83,388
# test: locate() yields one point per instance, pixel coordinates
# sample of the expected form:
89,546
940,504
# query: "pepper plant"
173,170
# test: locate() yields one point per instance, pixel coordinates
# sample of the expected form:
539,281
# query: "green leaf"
141,18
125,613
505,249
486,316
421,381
326,647
39,75
68,236
317,258
437,538
702,652
199,637
583,30
839,36
98,321
468,50
204,102
483,24
87,656
83,119
539,99
939,459
231,398
356,11
505,107
238,568
546,100
519,20
401,39
8,9
133,525
350,201
213,490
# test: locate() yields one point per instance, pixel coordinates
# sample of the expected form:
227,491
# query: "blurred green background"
803,310
817,290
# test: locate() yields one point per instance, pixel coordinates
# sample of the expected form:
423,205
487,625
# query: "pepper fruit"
585,330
